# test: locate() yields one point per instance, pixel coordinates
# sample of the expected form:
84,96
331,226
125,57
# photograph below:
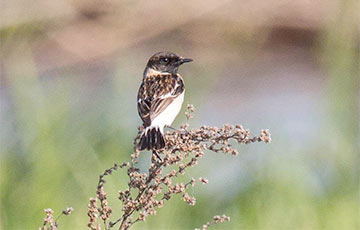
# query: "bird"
160,98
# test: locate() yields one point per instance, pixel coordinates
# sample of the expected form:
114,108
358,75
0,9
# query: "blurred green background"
69,76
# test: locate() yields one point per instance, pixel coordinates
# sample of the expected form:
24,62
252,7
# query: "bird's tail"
152,138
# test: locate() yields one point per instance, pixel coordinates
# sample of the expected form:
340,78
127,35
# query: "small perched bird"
160,97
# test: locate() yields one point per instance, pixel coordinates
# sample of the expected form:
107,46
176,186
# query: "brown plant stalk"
147,192
215,220
49,222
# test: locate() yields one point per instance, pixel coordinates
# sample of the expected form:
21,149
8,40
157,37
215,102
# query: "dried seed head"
203,180
147,191
67,211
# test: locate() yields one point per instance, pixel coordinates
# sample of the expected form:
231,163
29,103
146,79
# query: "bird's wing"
144,105
156,94
160,105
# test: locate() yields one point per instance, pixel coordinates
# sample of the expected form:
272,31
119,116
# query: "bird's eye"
165,60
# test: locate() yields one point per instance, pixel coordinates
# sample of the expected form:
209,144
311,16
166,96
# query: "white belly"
167,117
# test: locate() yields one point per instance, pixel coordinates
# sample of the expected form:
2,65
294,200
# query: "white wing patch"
166,95
167,117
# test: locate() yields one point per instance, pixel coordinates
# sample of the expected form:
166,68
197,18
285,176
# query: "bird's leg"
173,128
157,156
177,130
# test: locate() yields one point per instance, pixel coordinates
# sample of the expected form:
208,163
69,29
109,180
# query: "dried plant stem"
215,220
184,148
49,222
147,192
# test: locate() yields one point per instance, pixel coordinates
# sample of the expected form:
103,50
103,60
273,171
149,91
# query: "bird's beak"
184,60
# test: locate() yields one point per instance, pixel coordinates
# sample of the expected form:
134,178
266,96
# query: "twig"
184,148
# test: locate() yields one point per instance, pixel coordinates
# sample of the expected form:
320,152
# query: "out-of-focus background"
70,71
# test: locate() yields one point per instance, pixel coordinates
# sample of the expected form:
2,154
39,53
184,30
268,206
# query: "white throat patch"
152,71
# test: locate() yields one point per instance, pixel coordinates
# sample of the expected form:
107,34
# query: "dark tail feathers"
151,139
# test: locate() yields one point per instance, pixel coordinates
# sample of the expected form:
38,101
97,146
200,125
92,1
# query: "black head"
166,62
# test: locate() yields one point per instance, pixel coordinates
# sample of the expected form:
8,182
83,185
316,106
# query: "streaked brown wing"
144,105
148,111
160,105
156,94
144,112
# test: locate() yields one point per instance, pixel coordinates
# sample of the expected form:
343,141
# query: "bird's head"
166,62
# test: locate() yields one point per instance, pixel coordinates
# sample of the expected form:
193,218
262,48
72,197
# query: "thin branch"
145,193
